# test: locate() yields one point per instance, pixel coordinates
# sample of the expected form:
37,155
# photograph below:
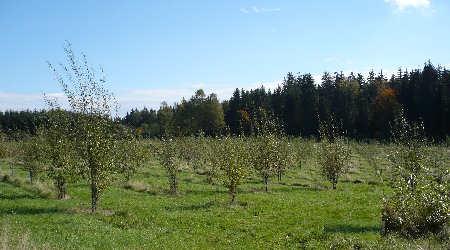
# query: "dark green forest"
364,106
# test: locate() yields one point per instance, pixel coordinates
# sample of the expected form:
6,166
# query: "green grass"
299,212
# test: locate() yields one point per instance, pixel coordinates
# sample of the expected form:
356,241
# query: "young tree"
131,152
168,155
286,157
233,162
94,106
59,150
198,152
264,157
420,202
334,154
270,152
206,157
31,156
3,146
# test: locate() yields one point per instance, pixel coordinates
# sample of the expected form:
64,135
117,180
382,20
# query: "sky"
154,51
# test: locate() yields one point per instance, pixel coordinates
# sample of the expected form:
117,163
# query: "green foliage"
302,149
334,153
265,158
58,150
420,203
94,127
296,214
169,156
271,152
200,113
31,156
334,159
131,152
189,150
3,146
233,161
199,152
166,120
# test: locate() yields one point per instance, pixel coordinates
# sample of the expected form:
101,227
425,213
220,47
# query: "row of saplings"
87,143
419,203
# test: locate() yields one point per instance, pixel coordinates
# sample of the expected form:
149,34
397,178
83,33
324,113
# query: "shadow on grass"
30,211
281,188
192,207
351,229
205,192
17,196
308,187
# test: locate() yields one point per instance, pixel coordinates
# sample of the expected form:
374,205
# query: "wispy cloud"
401,5
132,98
257,10
23,101
152,98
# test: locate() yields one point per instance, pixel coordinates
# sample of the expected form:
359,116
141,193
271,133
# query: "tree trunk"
233,194
209,178
62,189
31,175
266,183
94,196
173,185
334,185
94,186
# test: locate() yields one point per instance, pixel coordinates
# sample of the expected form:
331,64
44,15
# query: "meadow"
300,211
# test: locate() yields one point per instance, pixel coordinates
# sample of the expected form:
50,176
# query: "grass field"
299,212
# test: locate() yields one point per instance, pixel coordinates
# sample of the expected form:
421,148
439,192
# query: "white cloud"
256,10
405,4
152,98
22,101
244,10
132,98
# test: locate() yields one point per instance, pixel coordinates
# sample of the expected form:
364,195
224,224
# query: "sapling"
270,151
420,202
59,150
131,152
169,157
234,162
334,153
94,107
265,158
31,156
3,146
204,158
270,155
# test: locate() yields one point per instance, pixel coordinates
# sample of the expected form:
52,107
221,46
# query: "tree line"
364,106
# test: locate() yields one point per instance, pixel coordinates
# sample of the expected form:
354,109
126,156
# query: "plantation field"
300,211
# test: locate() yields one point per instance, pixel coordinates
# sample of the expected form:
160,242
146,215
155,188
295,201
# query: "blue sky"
163,50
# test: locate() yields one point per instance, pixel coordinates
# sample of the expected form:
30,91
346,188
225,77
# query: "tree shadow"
204,192
351,229
30,211
307,187
192,207
17,196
